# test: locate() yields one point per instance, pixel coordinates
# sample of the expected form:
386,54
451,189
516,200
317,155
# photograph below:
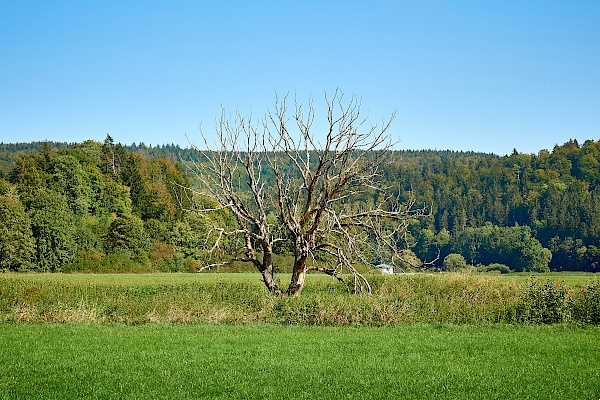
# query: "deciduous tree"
17,246
53,230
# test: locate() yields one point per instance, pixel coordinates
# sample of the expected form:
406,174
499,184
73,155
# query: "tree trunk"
266,269
267,275
298,274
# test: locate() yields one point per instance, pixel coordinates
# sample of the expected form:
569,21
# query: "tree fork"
299,188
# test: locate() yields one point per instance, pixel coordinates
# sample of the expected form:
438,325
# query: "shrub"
586,305
503,269
454,262
545,303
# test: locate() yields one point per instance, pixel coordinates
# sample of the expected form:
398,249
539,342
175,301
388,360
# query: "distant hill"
479,202
11,152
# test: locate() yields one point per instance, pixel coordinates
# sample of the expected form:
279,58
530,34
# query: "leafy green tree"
127,234
592,259
535,257
430,245
571,254
29,177
5,187
70,178
514,246
408,260
17,245
90,232
158,230
89,152
151,183
187,240
115,197
52,224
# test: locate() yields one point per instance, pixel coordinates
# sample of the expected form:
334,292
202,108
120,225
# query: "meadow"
264,361
182,336
455,298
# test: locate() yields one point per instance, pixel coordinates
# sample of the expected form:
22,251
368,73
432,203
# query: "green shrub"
454,262
586,305
90,261
545,303
503,269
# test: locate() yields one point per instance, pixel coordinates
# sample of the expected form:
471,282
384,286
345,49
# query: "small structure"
385,269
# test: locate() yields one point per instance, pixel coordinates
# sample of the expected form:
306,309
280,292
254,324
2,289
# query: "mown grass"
165,361
242,299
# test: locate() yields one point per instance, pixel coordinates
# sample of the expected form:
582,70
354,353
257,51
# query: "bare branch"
320,194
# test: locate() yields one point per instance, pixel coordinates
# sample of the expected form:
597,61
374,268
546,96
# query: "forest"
109,207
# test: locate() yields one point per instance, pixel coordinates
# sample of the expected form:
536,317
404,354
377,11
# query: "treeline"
96,207
489,208
10,153
105,206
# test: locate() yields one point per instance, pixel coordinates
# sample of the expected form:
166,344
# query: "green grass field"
158,361
189,336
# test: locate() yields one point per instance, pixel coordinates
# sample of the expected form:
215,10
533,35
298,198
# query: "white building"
385,269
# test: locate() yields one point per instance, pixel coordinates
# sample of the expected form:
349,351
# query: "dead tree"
284,183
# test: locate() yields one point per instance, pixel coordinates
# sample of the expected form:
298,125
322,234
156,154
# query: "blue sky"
463,75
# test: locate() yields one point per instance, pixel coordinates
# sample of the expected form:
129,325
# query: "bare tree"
282,183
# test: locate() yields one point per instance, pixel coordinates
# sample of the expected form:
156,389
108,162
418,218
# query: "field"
242,299
181,336
159,361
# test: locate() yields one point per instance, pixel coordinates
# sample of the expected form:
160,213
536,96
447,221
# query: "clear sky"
463,75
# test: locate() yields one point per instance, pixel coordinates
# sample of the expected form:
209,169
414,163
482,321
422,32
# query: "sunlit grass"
573,280
289,362
242,298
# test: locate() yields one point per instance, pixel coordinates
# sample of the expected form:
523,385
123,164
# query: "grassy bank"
69,361
242,299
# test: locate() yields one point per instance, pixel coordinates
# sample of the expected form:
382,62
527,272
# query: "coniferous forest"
107,207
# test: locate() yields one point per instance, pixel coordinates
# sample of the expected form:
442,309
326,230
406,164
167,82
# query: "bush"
586,305
454,262
91,261
503,269
545,303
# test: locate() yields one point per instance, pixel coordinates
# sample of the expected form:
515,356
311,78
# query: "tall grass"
242,299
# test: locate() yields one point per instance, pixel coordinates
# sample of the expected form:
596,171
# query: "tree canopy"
550,200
